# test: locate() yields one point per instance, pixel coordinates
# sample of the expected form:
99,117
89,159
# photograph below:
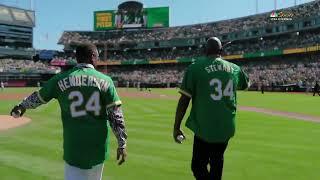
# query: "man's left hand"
17,110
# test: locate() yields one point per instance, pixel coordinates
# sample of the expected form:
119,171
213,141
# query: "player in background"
88,100
316,89
39,84
2,85
138,86
262,87
168,84
211,83
127,85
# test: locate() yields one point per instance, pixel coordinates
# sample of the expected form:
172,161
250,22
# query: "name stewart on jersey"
220,67
83,80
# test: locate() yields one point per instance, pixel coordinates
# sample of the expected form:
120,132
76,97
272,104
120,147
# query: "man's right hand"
121,155
176,133
17,111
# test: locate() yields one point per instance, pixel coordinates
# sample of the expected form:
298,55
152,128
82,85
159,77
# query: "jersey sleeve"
112,98
244,81
186,87
48,91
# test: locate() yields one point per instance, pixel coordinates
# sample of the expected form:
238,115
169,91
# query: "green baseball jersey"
84,94
212,85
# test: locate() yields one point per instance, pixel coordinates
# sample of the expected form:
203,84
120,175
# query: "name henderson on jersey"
83,80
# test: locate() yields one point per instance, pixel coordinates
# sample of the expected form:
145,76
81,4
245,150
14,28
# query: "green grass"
265,147
18,90
290,102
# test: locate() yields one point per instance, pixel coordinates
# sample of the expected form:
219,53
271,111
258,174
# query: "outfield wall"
23,80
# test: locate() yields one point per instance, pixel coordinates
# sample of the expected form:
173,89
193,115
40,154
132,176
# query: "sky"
55,16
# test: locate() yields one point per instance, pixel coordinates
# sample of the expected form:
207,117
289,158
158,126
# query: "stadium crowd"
287,41
26,66
154,54
303,71
160,74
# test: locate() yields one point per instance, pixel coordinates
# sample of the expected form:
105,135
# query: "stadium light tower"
31,5
275,4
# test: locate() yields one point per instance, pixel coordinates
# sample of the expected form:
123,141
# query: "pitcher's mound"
7,122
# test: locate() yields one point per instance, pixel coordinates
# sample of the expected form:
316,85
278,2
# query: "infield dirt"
8,122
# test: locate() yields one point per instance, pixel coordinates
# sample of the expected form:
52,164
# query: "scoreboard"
104,20
147,18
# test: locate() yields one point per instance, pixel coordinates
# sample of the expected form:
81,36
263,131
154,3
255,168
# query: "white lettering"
65,82
72,81
90,81
61,86
207,69
95,83
84,80
101,82
78,80
105,86
214,68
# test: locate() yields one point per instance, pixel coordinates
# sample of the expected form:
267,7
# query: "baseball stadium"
277,119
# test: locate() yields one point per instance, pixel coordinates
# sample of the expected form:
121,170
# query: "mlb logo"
274,15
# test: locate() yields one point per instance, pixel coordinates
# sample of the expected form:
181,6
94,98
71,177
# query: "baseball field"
277,138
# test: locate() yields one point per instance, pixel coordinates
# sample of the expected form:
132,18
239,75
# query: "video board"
146,18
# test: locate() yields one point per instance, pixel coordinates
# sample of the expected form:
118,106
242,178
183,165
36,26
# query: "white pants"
74,173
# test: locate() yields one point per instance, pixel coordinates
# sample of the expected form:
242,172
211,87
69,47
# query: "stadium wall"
23,80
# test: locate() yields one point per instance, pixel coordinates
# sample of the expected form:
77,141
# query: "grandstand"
16,32
16,49
278,48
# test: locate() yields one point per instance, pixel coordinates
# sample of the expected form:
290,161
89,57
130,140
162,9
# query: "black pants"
316,92
205,153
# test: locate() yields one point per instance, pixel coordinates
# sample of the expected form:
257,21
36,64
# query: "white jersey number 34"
218,92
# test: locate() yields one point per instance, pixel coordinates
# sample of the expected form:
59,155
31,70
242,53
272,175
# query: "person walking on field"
88,100
2,86
262,87
211,83
316,89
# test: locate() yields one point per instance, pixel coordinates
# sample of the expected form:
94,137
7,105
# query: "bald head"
87,53
213,46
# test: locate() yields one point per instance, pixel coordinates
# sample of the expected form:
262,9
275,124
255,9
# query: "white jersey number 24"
93,104
218,92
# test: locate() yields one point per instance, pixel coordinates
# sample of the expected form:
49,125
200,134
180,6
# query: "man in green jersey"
88,100
211,83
